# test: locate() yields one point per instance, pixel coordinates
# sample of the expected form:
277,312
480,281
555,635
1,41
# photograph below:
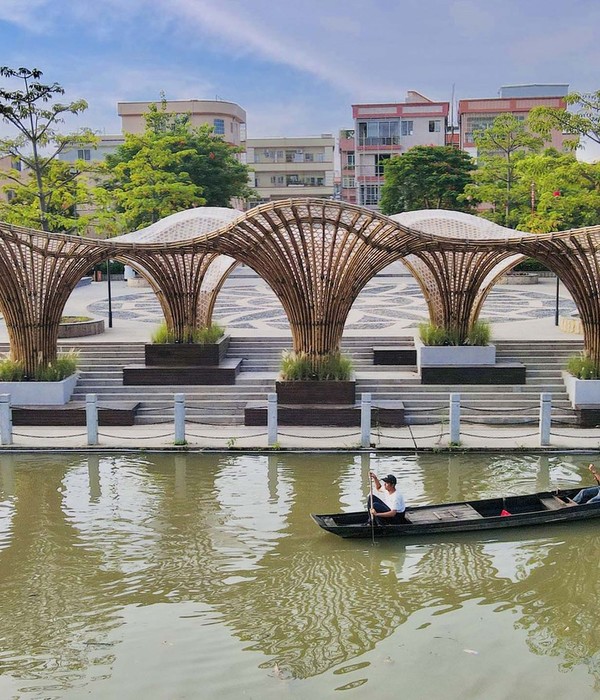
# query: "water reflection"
83,539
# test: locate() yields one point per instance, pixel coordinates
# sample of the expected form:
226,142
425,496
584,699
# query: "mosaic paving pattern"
382,304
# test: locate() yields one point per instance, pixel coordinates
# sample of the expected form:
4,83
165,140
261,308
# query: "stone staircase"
101,370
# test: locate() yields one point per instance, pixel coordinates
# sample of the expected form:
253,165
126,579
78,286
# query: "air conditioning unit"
299,150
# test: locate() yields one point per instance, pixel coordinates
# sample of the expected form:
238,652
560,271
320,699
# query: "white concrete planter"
40,393
582,392
454,355
520,278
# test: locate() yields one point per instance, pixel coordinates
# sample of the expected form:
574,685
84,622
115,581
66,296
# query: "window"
378,133
407,127
10,195
308,157
219,125
380,161
434,125
369,194
348,182
84,154
16,165
289,156
351,159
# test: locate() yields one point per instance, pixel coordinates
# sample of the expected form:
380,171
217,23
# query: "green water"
166,577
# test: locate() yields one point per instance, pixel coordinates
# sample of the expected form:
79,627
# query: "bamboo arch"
316,255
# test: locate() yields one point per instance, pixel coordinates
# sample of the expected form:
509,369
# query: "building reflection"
91,535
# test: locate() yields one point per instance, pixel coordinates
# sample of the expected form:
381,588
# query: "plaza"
390,305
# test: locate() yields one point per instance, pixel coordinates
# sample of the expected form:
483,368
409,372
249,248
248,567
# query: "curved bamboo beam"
316,255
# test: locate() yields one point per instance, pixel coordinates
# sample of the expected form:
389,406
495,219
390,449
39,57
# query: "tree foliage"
426,177
557,192
582,121
43,182
65,195
499,149
172,166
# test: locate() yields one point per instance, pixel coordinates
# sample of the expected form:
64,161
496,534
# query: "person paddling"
590,494
386,501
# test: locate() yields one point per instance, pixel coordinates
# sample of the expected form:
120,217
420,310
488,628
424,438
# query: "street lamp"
110,324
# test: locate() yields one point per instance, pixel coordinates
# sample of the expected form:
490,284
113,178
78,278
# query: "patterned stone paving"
385,302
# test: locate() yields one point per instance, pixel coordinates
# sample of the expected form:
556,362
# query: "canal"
171,576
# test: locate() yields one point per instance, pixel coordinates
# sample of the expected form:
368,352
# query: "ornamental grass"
304,367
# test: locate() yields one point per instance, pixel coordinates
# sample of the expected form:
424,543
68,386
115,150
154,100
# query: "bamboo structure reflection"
91,537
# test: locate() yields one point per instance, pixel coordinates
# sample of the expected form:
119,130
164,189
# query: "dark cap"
390,478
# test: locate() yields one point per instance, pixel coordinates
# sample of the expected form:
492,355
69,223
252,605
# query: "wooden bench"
395,355
74,413
435,514
505,373
193,375
388,414
553,503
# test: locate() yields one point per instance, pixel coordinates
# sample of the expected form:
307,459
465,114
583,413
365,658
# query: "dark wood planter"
186,354
316,392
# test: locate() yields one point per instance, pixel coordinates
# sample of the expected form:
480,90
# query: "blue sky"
297,66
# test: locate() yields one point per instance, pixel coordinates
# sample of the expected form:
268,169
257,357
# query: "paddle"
371,516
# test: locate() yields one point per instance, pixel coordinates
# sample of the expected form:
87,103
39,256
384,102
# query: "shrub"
11,370
430,334
583,367
530,265
64,366
207,335
75,319
480,334
302,366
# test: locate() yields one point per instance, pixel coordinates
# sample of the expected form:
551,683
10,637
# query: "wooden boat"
542,508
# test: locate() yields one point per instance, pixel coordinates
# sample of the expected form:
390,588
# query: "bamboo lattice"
316,255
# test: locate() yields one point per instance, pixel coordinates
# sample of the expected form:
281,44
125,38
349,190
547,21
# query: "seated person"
386,501
590,494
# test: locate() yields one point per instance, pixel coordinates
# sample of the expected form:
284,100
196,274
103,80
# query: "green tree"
65,194
426,177
499,148
173,166
38,144
151,183
583,120
563,192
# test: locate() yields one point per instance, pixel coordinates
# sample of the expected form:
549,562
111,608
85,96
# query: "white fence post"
91,418
454,419
545,419
5,420
271,419
179,414
365,420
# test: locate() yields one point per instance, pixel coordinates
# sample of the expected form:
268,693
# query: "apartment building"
384,130
291,167
477,114
347,151
13,167
227,118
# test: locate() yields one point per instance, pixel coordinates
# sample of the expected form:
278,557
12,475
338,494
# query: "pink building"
382,131
477,114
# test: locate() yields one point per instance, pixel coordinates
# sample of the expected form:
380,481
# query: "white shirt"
394,501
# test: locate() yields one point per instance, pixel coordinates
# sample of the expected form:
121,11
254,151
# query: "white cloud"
33,15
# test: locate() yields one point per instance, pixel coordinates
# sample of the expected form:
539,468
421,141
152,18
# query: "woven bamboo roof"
316,255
